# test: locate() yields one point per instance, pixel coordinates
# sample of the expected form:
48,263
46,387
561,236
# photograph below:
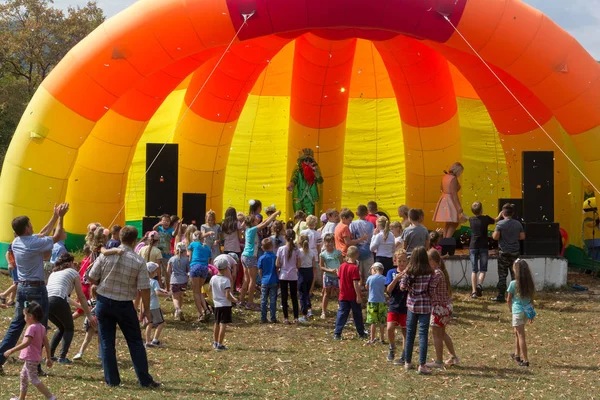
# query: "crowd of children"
395,266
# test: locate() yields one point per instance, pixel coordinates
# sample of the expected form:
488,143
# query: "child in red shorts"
397,307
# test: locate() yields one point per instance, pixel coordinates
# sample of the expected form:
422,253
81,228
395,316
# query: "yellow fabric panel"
374,166
567,191
158,130
571,201
587,145
258,153
276,78
370,79
428,152
486,177
39,161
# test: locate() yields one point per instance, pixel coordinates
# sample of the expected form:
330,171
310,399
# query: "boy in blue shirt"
269,281
376,306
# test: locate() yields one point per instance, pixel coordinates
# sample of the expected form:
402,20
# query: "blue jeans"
479,260
268,292
38,294
344,312
305,280
411,332
110,313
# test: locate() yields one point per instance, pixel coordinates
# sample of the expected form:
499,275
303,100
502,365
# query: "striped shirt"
61,283
120,277
418,287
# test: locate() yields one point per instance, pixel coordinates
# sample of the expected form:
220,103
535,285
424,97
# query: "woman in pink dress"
448,209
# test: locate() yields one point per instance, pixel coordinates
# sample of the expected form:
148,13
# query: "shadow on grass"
575,367
486,372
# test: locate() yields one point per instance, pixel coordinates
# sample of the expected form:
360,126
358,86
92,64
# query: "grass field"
288,361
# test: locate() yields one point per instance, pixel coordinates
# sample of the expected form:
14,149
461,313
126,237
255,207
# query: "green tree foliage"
34,37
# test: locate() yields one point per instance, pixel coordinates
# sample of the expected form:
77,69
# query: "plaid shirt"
419,298
440,296
120,277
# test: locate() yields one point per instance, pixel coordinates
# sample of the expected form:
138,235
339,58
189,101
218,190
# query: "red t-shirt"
342,231
348,273
372,218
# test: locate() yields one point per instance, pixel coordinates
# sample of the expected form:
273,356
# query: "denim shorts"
329,282
199,271
479,260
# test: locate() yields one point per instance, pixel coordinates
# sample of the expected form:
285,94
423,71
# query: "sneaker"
65,361
423,370
156,343
149,345
221,347
337,337
303,320
154,385
54,359
286,321
524,364
435,364
453,361
215,345
391,354
479,290
473,295
274,321
408,366
369,342
41,372
323,316
515,358
78,357
400,361
310,314
381,341
264,321
498,299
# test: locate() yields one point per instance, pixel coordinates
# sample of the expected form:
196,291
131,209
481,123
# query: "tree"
34,37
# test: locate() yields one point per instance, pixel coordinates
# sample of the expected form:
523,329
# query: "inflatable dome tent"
385,92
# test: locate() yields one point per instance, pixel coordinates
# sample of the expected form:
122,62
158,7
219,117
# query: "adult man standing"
508,232
29,251
118,279
363,228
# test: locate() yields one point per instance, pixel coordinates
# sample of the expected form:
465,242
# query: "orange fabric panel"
370,79
321,81
478,22
508,116
462,86
225,93
211,21
276,78
80,92
421,80
587,104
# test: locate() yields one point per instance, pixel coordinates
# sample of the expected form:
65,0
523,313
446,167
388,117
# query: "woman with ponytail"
383,244
288,263
441,311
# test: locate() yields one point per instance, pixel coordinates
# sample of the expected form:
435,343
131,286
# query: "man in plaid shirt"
118,279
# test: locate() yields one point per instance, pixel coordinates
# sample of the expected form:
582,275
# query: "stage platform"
548,272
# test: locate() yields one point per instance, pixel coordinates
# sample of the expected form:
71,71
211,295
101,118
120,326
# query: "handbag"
529,311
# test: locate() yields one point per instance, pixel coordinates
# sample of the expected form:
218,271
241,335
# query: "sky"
581,18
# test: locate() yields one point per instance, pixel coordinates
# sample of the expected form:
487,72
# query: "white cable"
521,104
189,107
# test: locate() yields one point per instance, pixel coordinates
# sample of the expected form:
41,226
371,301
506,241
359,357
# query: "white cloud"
581,18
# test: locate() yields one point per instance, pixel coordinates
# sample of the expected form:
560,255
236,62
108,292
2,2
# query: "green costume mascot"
304,183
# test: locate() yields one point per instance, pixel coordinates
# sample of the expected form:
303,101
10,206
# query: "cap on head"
152,266
221,263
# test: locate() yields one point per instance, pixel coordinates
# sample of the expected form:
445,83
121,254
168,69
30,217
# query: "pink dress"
446,209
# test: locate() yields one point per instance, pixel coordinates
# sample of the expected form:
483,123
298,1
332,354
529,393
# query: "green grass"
290,362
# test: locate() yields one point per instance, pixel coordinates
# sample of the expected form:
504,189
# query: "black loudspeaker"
161,179
542,239
148,223
538,186
194,208
518,207
448,246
